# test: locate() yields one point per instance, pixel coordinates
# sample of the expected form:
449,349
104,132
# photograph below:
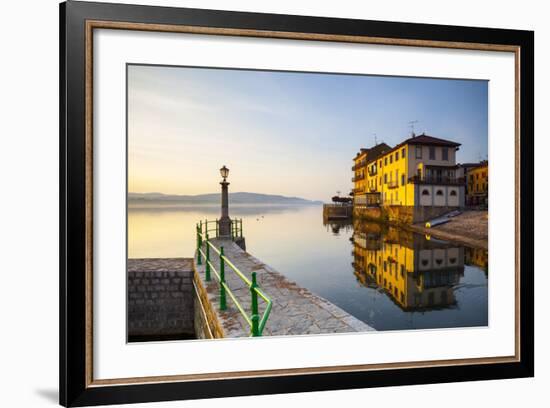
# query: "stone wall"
400,215
369,213
337,211
160,299
206,322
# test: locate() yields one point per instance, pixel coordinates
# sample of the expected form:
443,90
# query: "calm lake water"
389,278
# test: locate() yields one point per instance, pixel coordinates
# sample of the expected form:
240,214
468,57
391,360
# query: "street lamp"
225,221
224,171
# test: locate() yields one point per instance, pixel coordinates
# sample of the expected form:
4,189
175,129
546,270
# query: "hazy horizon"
283,133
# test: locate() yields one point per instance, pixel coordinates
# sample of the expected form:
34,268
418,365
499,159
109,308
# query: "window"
453,193
402,179
445,153
432,153
418,151
385,161
425,192
403,153
439,192
380,164
402,271
396,156
386,178
391,159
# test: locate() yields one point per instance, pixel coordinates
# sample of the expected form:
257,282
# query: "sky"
287,133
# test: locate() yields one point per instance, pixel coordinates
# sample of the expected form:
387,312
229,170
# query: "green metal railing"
204,248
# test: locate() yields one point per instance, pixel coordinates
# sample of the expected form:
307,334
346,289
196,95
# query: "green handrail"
256,323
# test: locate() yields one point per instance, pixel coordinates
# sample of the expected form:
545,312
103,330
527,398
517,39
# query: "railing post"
241,227
255,316
217,228
199,244
223,303
207,269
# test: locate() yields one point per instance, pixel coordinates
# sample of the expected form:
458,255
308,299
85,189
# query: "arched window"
453,193
439,192
425,192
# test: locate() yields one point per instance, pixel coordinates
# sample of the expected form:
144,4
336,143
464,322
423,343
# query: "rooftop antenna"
375,139
411,125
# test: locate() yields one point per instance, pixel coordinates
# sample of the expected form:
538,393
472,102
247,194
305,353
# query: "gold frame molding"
99,24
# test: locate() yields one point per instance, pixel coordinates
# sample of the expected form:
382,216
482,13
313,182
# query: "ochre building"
419,172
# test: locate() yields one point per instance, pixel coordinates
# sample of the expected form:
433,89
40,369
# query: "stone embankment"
471,228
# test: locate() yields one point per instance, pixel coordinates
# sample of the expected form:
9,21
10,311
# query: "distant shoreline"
238,198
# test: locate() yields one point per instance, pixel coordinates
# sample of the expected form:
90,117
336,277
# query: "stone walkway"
295,309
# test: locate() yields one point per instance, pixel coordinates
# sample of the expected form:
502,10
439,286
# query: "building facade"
477,187
419,172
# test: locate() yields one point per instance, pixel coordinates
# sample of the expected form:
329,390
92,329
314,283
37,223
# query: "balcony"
373,172
393,184
448,181
359,165
358,178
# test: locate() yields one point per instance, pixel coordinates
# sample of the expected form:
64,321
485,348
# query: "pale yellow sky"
292,134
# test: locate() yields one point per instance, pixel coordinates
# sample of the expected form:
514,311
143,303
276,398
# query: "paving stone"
295,310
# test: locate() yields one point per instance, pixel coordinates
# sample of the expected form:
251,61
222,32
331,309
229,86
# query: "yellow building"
420,171
477,190
415,273
360,175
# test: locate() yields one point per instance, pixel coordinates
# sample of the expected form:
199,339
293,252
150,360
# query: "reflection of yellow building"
420,171
478,257
477,190
417,274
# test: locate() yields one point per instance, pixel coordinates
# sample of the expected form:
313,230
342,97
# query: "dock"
295,309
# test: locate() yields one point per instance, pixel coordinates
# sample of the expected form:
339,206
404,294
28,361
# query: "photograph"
288,203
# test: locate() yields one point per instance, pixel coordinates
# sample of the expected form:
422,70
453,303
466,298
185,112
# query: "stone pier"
295,309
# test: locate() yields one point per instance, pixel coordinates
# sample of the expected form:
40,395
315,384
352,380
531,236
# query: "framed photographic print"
256,203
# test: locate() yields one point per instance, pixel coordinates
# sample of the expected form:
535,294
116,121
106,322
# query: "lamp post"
225,221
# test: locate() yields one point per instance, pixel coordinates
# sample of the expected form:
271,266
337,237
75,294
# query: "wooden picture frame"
77,22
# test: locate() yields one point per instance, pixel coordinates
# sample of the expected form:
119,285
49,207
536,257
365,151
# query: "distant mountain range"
214,198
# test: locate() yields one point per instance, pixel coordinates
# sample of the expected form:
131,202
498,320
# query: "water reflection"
389,278
416,273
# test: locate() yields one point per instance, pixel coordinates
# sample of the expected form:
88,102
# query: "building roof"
482,163
377,151
424,139
374,152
